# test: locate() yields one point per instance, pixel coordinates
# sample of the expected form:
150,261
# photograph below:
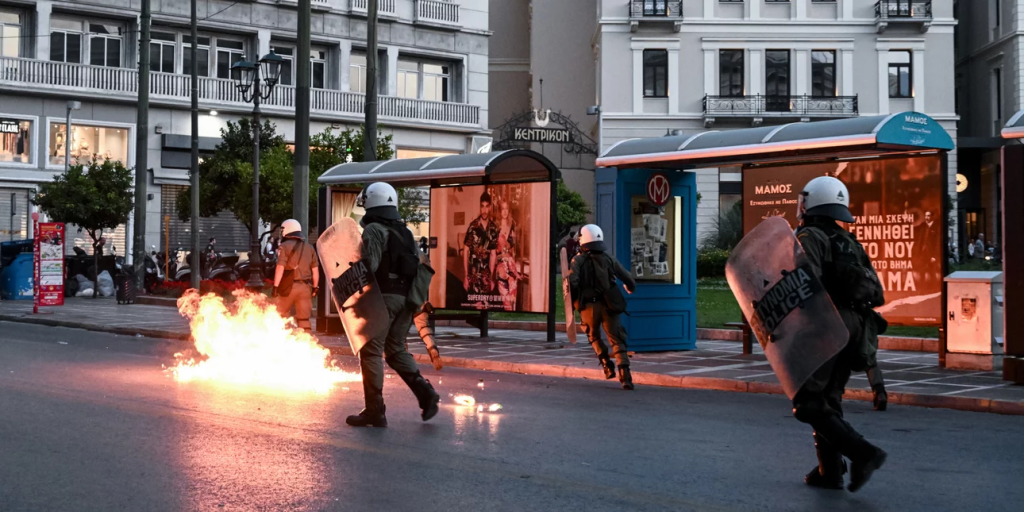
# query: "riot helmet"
380,200
592,238
291,227
825,196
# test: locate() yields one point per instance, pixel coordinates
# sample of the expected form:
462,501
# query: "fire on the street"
249,343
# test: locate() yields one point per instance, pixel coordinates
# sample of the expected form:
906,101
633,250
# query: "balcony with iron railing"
918,12
438,13
655,11
385,8
317,5
82,81
759,106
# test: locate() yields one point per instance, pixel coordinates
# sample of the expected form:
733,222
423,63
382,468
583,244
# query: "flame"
249,343
466,400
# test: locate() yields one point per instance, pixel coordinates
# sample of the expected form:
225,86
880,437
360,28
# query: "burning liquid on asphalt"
249,343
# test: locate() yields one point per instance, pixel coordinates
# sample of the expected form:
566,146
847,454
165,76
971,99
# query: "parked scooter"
154,270
213,265
268,264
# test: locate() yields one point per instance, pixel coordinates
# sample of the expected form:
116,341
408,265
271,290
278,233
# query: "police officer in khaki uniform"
297,265
595,295
846,272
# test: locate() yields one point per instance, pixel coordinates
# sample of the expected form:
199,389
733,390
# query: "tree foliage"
225,180
726,231
572,209
94,198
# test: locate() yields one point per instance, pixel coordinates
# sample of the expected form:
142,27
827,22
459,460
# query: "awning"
1015,128
498,167
162,176
906,131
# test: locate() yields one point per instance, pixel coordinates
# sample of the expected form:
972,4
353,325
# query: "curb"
126,331
641,378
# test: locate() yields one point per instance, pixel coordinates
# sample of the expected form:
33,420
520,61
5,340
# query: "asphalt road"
90,422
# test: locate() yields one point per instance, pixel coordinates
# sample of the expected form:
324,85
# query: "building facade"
989,51
432,78
686,66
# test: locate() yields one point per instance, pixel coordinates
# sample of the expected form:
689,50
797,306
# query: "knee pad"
810,412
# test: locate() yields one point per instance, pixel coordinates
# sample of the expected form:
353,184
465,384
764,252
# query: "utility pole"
194,265
300,200
142,151
370,111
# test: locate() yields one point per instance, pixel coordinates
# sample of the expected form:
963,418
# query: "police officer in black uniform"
851,282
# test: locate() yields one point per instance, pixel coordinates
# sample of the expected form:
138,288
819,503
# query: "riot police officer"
296,275
393,256
600,303
852,284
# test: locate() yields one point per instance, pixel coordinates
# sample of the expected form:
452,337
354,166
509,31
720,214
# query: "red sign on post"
659,190
49,264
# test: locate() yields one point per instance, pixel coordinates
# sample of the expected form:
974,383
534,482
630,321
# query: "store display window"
88,144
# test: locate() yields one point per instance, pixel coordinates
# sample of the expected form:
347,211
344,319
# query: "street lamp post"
247,79
72,105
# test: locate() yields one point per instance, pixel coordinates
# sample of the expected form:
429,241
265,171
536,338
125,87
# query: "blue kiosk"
647,201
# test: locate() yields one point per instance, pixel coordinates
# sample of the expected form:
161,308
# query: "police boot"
828,474
625,377
864,457
881,400
373,414
425,394
609,367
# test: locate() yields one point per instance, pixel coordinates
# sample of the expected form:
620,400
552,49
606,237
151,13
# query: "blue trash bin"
16,278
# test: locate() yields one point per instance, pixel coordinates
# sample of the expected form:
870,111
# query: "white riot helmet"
379,199
592,238
291,227
827,197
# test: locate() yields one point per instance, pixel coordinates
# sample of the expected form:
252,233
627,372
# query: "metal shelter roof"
497,167
1015,128
862,136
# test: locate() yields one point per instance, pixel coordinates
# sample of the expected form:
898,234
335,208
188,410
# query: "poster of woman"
490,244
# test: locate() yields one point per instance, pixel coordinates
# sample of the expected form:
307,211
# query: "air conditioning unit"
480,144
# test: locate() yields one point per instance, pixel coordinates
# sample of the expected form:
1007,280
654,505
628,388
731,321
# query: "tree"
220,177
726,231
100,197
572,209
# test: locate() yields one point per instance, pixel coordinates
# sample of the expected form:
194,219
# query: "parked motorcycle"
268,264
153,269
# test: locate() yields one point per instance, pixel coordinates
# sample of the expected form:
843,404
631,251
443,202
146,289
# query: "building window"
357,72
408,79
105,43
228,53
161,52
655,73
901,80
730,73
15,141
10,34
88,144
777,80
436,82
66,41
424,80
655,7
202,55
823,73
997,94
317,66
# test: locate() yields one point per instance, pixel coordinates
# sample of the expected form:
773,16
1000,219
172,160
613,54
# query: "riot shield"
570,318
788,309
354,289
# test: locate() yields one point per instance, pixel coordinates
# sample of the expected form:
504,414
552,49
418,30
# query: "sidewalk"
912,378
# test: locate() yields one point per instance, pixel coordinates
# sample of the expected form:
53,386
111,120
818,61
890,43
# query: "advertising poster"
652,244
50,263
897,204
490,246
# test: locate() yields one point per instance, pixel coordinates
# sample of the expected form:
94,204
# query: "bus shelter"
492,229
895,167
1013,248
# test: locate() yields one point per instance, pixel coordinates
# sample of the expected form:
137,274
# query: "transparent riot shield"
354,289
570,318
788,309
